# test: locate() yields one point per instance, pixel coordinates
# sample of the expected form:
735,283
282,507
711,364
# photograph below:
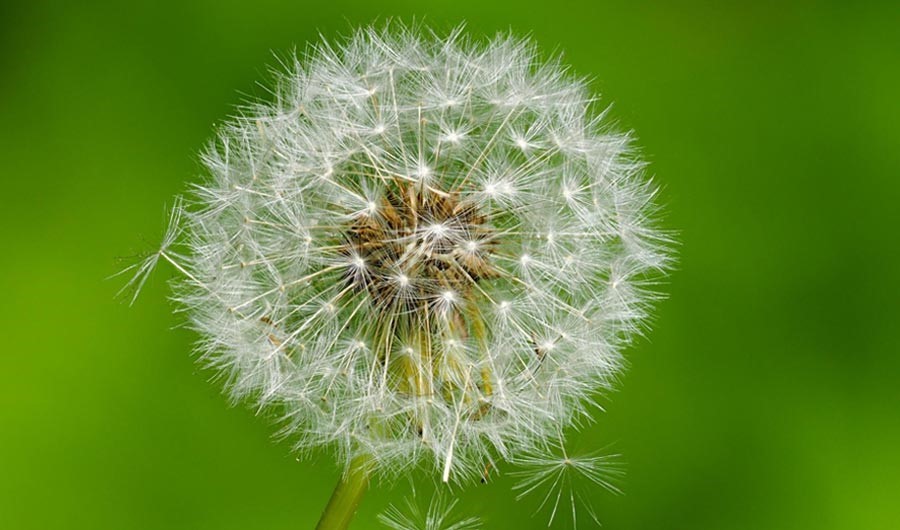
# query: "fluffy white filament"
483,325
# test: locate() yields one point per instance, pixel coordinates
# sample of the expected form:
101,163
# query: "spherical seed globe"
422,250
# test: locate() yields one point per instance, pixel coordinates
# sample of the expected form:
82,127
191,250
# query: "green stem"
346,496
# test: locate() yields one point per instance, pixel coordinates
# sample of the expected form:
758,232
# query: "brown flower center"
417,246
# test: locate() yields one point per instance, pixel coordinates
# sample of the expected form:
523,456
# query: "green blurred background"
766,397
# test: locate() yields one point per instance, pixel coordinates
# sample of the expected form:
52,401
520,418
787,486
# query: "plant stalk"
346,496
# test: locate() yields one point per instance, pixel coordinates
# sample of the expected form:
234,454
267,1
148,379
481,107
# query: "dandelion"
424,252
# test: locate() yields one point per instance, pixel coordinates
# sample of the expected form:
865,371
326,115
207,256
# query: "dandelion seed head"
425,248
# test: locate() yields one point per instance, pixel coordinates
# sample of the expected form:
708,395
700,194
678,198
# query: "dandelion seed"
558,478
141,270
438,516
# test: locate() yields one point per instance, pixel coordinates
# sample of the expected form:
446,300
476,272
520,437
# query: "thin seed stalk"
479,330
346,496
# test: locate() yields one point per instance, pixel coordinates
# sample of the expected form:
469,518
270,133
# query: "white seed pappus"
425,249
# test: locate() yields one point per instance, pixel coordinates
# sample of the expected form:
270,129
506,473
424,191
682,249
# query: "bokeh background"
766,397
